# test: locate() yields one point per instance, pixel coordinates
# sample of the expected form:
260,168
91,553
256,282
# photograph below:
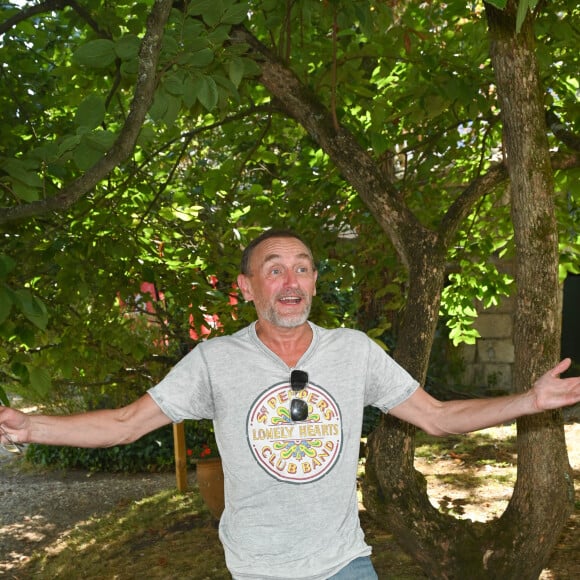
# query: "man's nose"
291,279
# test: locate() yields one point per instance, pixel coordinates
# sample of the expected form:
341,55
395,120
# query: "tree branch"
363,172
125,143
29,11
460,208
51,6
355,163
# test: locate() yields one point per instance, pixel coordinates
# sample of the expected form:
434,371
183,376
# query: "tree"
427,534
286,115
544,504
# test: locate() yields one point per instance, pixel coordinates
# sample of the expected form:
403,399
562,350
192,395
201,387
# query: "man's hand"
14,427
552,392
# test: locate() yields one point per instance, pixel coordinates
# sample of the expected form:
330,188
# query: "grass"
166,535
169,535
478,447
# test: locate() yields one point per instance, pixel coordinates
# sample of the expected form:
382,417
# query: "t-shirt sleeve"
388,383
185,392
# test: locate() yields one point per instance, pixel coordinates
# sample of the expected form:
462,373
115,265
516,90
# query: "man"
287,400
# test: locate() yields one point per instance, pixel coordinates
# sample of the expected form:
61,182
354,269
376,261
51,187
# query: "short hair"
268,234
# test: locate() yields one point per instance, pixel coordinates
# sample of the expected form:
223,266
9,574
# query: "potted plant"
204,455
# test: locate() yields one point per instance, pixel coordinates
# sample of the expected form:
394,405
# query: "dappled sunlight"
472,476
26,536
469,477
40,509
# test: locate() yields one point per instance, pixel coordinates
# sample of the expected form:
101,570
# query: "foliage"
216,162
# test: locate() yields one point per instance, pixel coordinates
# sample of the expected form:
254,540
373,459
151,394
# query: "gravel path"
36,509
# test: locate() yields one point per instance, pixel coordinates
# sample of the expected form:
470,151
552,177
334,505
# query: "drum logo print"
301,451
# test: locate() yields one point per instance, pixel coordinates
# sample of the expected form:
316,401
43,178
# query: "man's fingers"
561,367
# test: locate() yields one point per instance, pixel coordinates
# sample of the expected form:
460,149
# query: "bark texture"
544,494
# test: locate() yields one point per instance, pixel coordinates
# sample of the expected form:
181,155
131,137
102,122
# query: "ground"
478,484
39,509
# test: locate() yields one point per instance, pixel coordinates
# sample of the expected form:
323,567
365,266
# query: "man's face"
281,281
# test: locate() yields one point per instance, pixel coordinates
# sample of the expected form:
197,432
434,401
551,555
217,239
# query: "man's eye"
275,271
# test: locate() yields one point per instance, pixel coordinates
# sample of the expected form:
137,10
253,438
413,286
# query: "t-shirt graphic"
295,451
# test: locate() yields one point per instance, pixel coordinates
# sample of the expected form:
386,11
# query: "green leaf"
32,308
192,34
210,10
170,47
190,90
219,35
7,264
173,108
87,154
236,71
47,152
40,380
174,84
225,83
127,47
91,112
23,171
208,93
522,13
98,53
68,144
25,192
129,68
159,106
201,58
183,214
235,13
101,140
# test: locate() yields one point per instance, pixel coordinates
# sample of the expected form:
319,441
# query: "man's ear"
245,286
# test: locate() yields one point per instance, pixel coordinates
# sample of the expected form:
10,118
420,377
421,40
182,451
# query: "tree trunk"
544,493
519,544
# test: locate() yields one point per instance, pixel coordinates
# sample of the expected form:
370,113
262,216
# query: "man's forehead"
275,257
274,249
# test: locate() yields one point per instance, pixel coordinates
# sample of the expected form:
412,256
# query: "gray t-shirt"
291,498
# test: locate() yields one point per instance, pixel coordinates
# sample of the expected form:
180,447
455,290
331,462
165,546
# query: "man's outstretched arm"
103,428
451,417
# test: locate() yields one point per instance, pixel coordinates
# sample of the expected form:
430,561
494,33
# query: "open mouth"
290,300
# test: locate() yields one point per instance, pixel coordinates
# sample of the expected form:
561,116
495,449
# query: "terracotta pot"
210,480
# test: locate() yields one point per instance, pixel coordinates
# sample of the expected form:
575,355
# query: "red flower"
190,452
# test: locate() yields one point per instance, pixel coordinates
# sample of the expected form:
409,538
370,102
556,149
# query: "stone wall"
489,362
